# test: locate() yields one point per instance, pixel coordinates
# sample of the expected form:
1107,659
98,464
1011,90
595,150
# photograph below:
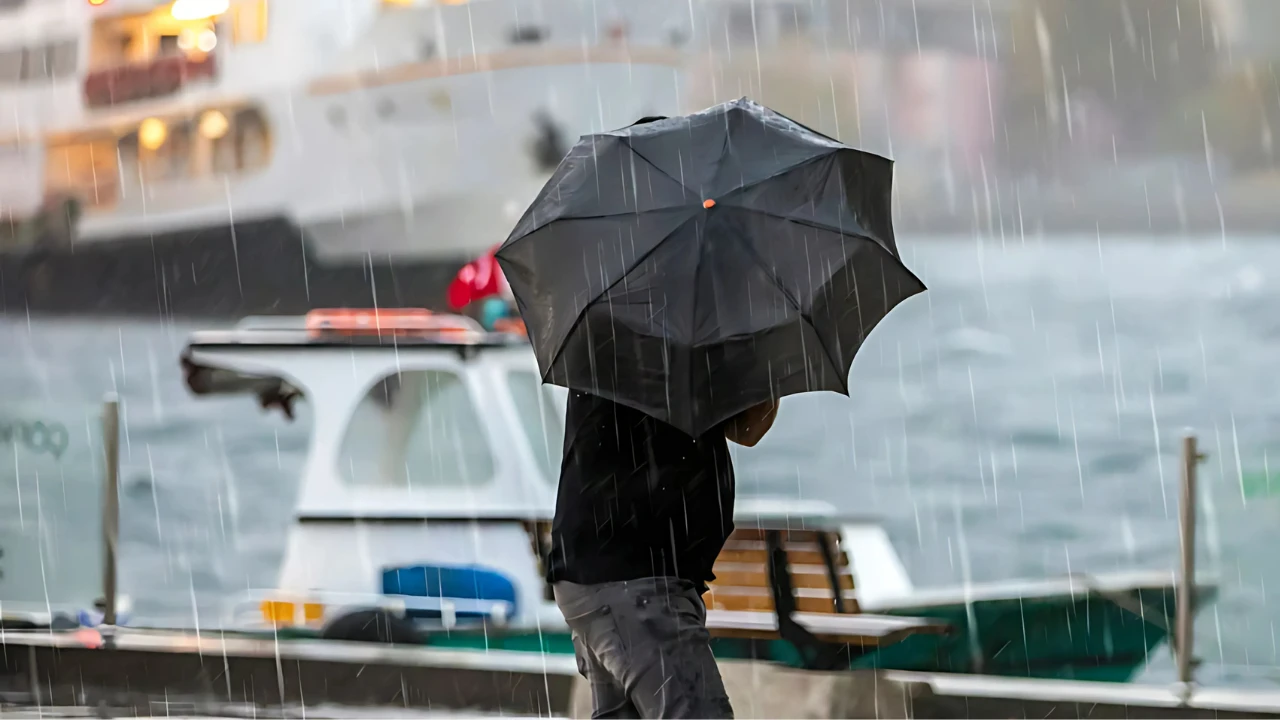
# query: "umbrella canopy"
693,267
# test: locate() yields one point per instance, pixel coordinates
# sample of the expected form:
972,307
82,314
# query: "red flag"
478,279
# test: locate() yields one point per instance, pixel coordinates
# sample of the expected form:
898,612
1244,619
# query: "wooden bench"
776,582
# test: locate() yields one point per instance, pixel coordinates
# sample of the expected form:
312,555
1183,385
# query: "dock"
171,673
155,673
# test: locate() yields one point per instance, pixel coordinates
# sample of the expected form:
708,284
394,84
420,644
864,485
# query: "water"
1021,419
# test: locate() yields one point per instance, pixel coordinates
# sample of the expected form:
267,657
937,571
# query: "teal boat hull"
1088,636
1074,637
1066,637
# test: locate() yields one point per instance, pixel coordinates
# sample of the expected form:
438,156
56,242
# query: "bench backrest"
742,573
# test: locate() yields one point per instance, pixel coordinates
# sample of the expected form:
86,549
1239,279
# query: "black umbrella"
692,267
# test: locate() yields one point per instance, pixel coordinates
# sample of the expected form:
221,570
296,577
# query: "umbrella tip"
708,203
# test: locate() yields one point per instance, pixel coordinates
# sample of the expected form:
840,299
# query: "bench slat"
851,629
742,574
760,603
734,543
753,534
796,557
759,567
824,593
760,579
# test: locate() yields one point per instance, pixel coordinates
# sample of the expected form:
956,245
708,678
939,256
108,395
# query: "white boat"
425,502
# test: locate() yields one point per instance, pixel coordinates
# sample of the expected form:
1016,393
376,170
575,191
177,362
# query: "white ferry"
221,157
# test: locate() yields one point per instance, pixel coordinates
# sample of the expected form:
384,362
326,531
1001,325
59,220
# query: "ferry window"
225,158
527,35
85,168
249,22
417,429
35,64
169,46
11,65
38,62
65,58
253,141
172,158
540,419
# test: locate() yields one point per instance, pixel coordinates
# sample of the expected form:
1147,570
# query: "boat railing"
311,610
146,79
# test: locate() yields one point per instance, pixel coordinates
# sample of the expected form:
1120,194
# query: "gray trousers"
644,648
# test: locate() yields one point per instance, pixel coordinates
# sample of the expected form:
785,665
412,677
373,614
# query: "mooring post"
110,505
1186,593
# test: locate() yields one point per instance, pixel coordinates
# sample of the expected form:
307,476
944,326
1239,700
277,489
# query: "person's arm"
750,425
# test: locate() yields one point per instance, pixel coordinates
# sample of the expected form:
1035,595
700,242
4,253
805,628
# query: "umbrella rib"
778,172
844,380
627,141
842,376
621,276
821,226
510,243
804,317
826,351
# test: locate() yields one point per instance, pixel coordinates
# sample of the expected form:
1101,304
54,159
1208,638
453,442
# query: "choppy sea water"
1020,419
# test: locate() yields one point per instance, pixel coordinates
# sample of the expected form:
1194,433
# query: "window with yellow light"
212,142
249,22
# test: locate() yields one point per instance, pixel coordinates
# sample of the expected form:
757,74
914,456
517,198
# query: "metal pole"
110,505
1187,577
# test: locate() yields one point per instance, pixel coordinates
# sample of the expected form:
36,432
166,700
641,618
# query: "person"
642,511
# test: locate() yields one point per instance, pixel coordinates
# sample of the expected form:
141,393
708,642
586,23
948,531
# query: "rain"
232,216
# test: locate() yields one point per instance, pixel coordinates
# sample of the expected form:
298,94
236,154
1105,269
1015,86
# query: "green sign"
37,435
1260,483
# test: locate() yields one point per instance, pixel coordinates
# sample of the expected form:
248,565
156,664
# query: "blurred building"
1251,27
918,81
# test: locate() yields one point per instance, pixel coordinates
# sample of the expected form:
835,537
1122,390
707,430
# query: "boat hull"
1085,637
262,267
141,671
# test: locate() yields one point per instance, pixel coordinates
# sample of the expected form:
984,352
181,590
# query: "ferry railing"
110,505
1184,632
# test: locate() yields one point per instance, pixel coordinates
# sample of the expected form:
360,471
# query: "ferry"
219,158
223,158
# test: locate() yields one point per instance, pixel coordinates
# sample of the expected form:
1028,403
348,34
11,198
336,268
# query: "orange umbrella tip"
708,203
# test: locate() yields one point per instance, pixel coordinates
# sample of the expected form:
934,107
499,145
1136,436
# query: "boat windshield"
417,430
540,419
